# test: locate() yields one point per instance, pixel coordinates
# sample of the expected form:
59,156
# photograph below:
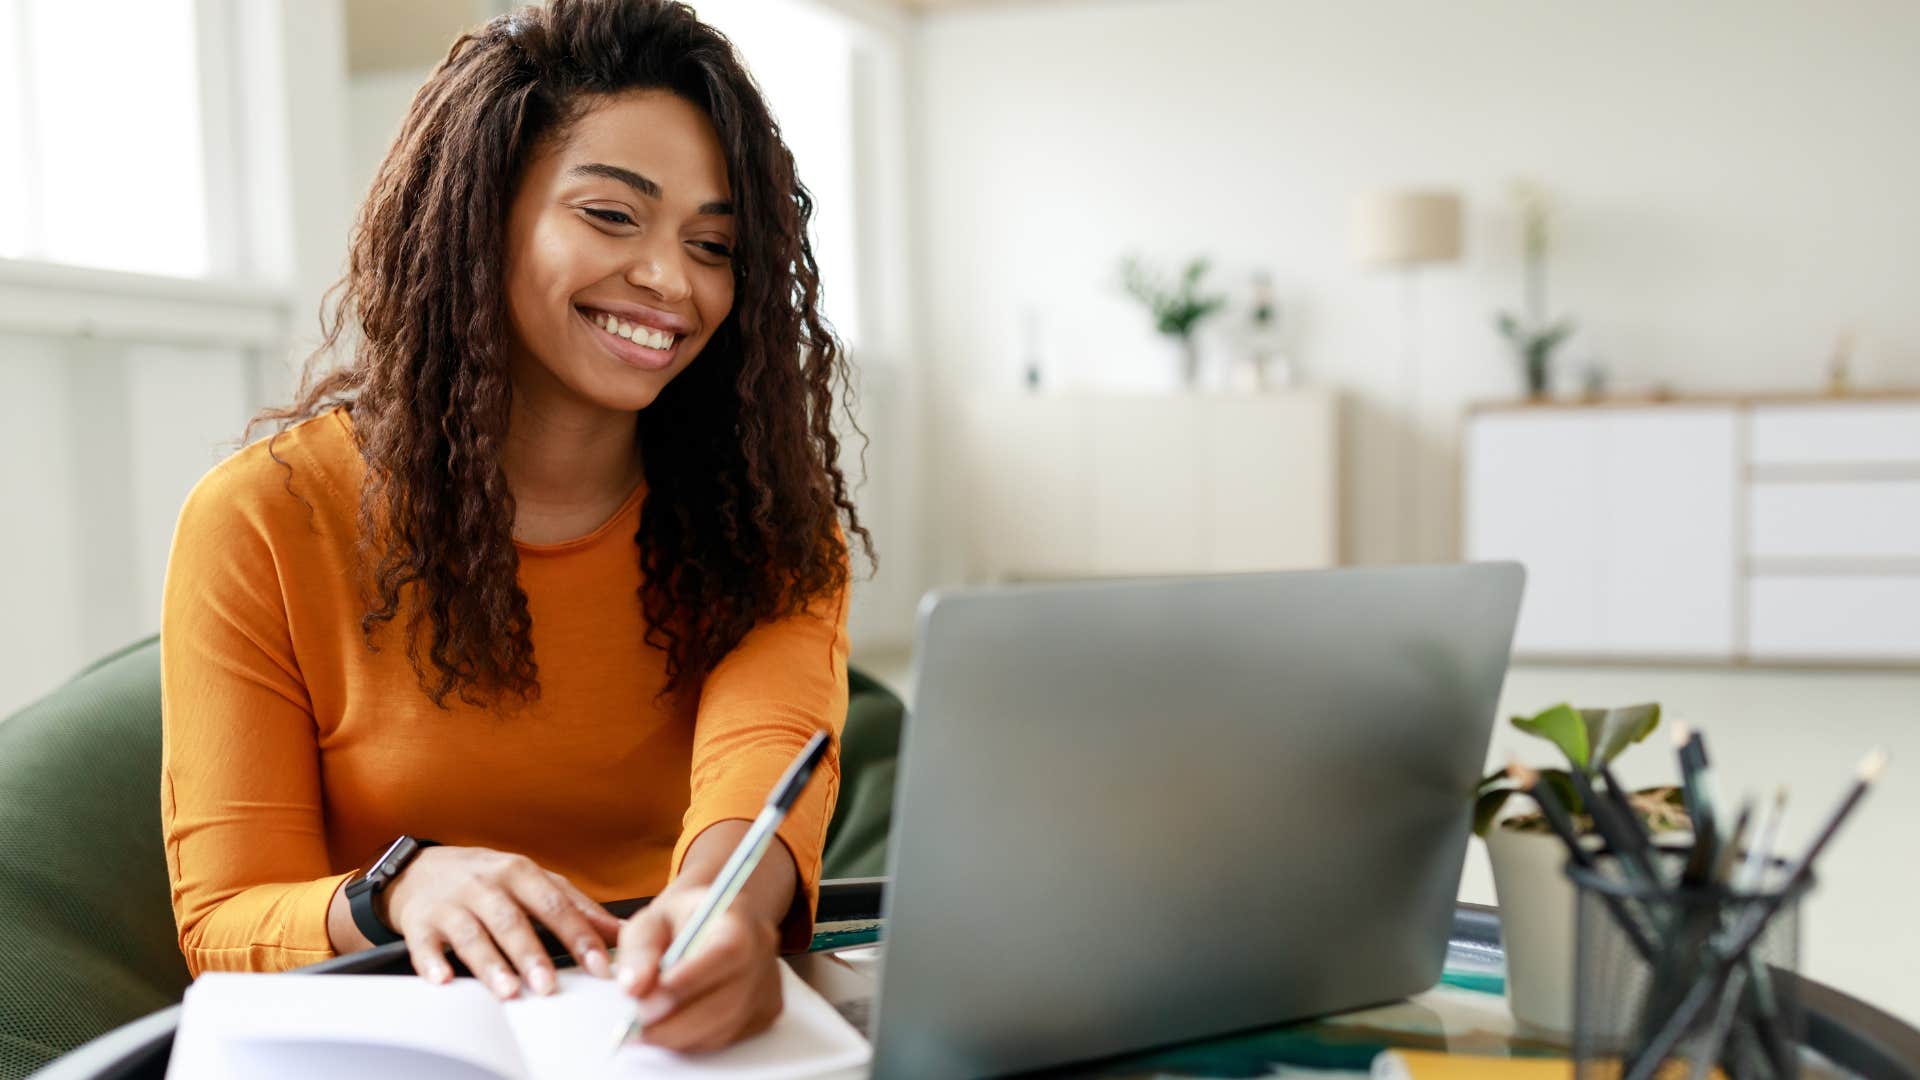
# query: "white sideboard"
1085,485
1768,530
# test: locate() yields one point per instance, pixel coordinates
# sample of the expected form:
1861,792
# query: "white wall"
1735,184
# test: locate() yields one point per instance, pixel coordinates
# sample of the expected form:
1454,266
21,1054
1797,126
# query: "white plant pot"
1536,926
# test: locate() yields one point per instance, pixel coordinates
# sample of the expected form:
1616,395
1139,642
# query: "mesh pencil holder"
1655,989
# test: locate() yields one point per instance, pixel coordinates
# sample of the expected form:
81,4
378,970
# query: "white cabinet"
1851,617
1834,532
1733,530
1624,520
1835,433
1063,486
1668,533
1530,487
1834,520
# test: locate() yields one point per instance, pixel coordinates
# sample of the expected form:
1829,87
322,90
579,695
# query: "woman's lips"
631,352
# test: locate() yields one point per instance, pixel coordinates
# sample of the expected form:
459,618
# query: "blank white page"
573,1033
237,1025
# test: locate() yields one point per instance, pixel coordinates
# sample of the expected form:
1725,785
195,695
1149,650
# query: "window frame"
244,300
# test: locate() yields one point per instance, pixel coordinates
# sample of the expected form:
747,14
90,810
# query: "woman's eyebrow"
642,185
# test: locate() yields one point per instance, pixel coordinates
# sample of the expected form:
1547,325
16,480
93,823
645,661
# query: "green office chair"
87,939
869,759
86,924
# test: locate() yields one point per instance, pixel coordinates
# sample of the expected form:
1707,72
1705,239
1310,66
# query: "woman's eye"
615,217
714,247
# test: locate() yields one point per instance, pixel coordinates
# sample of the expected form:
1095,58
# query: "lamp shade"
1401,228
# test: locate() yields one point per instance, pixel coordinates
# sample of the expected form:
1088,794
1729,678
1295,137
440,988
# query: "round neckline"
561,547
556,547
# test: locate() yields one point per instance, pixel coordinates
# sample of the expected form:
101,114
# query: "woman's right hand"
477,902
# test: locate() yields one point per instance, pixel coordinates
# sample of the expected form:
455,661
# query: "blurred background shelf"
1102,485
1718,530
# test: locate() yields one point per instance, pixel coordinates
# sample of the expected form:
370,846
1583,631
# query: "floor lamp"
1403,231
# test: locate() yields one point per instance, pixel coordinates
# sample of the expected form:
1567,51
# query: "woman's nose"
660,272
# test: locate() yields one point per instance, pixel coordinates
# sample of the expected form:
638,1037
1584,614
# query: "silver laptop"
1132,814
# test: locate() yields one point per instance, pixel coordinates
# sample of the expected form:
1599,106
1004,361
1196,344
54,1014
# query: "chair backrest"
869,762
87,939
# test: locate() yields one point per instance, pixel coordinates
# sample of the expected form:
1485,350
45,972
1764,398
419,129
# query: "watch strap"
363,892
371,925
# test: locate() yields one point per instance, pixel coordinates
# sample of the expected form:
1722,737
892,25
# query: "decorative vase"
1539,371
1189,362
1536,926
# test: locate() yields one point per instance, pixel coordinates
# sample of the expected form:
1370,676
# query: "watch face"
389,861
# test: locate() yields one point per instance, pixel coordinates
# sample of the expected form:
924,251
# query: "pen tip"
1873,765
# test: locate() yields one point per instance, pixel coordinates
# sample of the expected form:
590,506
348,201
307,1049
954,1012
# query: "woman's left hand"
726,990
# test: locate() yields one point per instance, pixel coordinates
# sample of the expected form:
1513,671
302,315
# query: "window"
102,160
802,57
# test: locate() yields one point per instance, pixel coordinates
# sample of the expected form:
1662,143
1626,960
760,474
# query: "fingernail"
629,978
441,973
653,1007
542,979
505,985
597,962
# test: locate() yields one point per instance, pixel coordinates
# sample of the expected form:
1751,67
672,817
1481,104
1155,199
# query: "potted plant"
1532,335
1177,309
1536,899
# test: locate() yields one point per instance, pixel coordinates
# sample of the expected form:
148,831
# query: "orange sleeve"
240,802
785,680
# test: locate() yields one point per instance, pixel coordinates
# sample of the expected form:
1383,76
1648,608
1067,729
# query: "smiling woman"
628,228
552,568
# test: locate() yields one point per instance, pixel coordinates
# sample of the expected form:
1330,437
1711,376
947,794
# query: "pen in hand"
741,864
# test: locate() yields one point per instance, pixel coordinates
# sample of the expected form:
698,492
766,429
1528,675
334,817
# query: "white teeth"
639,335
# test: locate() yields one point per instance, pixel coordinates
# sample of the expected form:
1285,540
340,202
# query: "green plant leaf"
1561,782
1487,807
1610,731
1491,798
1494,779
1563,726
1175,306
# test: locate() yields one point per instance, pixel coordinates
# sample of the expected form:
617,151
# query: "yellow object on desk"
1434,1065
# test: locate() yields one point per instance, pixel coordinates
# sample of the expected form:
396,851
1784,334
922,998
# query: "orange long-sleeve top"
293,754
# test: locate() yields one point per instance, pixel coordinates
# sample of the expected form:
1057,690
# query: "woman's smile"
631,341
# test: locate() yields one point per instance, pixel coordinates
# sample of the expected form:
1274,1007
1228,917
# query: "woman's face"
619,242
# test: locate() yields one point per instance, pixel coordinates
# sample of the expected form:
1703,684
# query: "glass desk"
1465,1014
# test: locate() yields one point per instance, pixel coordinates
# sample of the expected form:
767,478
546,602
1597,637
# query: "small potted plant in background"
1532,336
1177,308
1536,899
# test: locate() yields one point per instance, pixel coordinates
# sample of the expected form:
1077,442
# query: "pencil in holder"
1661,991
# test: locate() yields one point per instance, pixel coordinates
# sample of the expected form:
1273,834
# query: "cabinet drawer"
1870,617
1840,434
1863,519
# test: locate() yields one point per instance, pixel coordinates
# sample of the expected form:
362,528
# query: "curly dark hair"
745,500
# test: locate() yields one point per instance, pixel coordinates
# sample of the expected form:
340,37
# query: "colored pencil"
1737,945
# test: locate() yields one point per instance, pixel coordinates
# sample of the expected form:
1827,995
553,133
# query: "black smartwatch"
366,886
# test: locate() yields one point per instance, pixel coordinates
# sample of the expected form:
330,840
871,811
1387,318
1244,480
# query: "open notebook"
314,1026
